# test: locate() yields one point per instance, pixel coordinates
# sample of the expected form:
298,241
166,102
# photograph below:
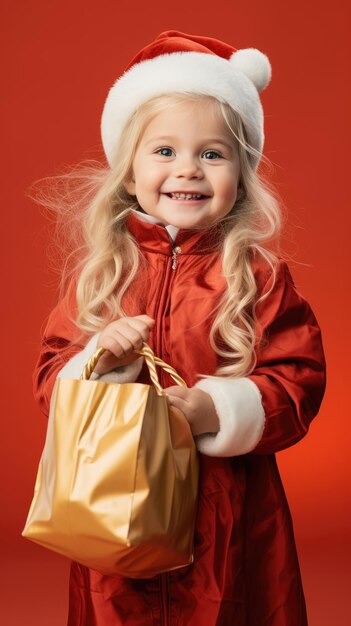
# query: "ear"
130,186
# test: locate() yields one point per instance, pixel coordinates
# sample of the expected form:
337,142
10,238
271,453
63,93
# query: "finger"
133,335
119,345
145,318
138,325
142,321
179,403
178,391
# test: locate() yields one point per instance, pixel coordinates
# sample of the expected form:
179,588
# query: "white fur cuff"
74,367
241,416
126,374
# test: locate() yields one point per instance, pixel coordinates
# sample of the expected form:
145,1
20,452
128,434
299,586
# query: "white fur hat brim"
236,81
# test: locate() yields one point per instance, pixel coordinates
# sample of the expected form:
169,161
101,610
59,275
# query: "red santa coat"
246,570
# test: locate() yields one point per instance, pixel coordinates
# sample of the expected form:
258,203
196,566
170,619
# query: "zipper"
175,251
167,279
164,599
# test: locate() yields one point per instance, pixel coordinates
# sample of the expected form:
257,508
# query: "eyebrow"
206,140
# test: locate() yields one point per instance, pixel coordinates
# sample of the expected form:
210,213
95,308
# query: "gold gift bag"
117,481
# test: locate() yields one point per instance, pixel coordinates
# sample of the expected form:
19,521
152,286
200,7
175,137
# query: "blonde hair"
105,258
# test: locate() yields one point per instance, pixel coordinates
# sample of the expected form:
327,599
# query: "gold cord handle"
92,363
151,362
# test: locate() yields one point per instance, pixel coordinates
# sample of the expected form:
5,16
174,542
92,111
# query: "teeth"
186,196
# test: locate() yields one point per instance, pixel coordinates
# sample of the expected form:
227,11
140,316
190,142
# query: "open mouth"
186,196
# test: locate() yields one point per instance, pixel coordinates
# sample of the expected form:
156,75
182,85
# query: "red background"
60,58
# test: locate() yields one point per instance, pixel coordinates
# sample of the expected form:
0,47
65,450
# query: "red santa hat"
177,62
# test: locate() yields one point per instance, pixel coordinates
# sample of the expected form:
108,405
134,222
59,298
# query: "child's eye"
213,152
164,151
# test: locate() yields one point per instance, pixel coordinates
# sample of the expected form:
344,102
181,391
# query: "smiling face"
186,149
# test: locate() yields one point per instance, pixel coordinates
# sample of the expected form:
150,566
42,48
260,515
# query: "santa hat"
177,62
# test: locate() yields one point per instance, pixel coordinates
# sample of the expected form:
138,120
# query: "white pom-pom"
254,64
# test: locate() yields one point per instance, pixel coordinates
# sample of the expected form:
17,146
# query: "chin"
191,226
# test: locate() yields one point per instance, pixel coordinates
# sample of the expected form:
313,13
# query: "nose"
187,167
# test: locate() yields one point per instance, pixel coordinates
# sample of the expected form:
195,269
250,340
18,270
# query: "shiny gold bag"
117,481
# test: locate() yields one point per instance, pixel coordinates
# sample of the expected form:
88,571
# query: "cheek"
148,181
227,187
232,181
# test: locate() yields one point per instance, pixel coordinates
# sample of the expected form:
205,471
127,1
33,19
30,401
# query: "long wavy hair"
101,257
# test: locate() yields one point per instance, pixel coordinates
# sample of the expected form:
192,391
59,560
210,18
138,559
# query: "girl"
175,254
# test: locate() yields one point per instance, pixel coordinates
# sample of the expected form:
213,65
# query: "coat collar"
172,230
158,238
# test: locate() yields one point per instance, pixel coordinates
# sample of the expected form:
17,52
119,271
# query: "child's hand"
121,338
197,406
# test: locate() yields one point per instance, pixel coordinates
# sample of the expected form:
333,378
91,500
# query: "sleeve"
64,352
272,408
60,341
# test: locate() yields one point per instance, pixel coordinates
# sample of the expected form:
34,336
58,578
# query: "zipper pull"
177,250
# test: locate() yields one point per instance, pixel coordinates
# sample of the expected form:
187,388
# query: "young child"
175,255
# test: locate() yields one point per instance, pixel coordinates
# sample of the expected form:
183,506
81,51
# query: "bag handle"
151,362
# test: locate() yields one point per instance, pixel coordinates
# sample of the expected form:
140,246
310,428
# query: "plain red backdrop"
59,60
